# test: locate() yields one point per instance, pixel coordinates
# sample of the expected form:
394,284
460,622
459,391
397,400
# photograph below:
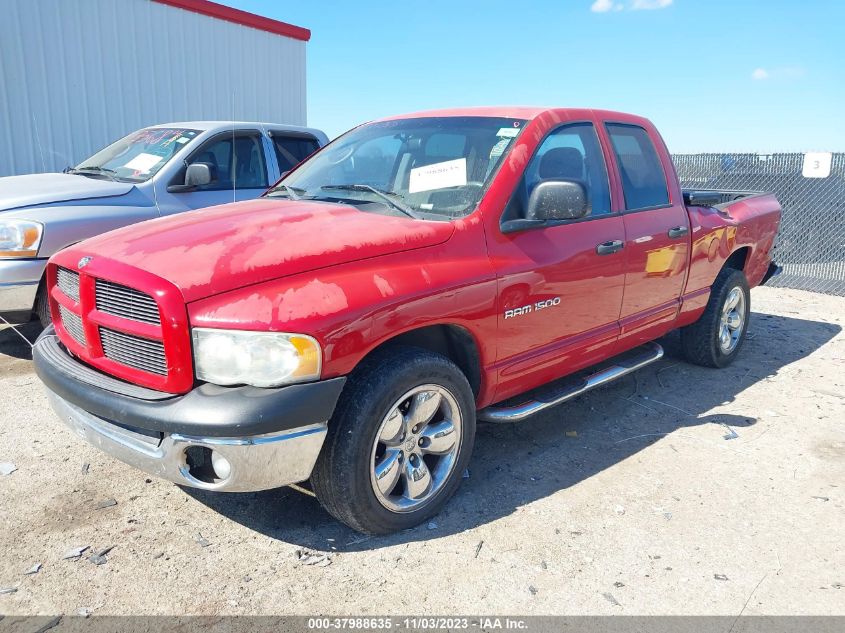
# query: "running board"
641,356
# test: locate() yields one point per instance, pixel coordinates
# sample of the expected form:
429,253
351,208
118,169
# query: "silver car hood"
45,189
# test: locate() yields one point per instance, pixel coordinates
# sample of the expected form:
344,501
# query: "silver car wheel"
732,320
416,448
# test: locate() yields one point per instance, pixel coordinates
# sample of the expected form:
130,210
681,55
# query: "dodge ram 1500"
417,273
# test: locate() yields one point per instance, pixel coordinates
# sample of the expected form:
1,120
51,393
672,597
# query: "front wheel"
716,338
399,442
42,306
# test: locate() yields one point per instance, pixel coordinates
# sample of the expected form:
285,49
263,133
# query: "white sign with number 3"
816,164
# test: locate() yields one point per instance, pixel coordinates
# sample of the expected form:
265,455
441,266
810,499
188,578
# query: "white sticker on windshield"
451,173
143,162
509,132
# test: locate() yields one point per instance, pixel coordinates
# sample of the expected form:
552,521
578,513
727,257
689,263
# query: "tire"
42,306
700,341
345,476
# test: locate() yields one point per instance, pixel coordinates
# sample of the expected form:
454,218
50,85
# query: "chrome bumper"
257,462
19,279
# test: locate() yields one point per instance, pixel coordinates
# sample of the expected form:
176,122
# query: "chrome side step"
642,356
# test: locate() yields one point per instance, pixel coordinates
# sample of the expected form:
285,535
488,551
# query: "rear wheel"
399,441
716,338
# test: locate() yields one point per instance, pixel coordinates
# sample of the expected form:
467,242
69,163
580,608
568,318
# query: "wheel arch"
455,342
738,259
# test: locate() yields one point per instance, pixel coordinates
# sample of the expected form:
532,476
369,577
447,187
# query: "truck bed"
716,198
726,221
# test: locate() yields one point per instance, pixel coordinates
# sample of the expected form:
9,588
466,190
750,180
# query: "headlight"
261,359
20,238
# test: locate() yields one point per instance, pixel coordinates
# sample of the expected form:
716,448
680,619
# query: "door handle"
608,248
678,231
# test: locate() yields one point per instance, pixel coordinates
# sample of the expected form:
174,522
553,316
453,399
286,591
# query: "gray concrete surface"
629,500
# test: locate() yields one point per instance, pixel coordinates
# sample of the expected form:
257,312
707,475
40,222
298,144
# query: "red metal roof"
222,12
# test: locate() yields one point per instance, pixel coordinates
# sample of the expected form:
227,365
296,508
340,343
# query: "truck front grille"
73,324
136,333
122,301
68,282
134,351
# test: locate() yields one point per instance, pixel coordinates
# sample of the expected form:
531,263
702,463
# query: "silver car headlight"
20,238
260,359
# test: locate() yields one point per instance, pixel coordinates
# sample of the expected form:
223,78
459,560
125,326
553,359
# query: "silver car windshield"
138,156
428,167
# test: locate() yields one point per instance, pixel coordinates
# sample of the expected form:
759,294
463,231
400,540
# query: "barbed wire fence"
811,241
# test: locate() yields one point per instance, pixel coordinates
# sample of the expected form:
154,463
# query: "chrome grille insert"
134,351
126,302
68,282
73,324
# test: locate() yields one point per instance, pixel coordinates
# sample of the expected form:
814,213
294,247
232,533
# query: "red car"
417,273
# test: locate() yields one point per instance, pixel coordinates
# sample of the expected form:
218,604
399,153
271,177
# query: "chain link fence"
811,242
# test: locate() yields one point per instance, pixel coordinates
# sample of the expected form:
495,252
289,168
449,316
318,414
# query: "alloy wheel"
732,320
416,448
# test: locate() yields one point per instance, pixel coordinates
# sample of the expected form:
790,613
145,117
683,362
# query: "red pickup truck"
417,273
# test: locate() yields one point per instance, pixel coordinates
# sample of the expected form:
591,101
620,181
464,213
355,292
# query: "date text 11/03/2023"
417,623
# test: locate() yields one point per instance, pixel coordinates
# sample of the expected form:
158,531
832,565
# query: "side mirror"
198,174
557,200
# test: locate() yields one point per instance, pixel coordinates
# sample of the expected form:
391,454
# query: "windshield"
430,168
137,157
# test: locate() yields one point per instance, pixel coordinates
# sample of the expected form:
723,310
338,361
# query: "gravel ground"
629,500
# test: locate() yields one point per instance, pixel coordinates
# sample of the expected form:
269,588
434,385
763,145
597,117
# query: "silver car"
150,173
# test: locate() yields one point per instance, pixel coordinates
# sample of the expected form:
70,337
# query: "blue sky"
714,75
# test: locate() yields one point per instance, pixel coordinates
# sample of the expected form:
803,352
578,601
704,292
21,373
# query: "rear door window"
292,149
643,179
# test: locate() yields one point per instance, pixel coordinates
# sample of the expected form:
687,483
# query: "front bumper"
258,462
268,437
19,279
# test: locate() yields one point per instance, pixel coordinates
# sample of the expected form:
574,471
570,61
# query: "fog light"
222,467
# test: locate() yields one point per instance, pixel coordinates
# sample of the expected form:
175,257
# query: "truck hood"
41,189
223,248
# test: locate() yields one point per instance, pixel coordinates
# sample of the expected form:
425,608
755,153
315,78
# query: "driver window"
571,152
236,163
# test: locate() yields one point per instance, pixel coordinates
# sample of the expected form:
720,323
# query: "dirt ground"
681,491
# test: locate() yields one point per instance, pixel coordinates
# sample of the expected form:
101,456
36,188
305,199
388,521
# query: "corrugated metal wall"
77,75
